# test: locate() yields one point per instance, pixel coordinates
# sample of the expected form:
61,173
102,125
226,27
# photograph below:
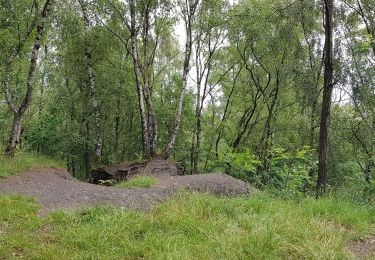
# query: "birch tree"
19,110
188,9
91,82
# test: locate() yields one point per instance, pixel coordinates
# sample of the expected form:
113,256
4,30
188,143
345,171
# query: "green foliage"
288,172
291,172
355,189
365,45
189,226
241,165
24,161
137,182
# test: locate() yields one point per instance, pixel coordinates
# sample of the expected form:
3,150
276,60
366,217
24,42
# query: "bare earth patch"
363,248
56,189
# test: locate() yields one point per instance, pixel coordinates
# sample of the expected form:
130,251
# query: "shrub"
291,171
282,170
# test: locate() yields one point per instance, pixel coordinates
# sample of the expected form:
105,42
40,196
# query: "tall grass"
189,226
136,182
26,161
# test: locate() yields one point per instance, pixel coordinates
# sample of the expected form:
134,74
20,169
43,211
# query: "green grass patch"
188,226
137,182
26,161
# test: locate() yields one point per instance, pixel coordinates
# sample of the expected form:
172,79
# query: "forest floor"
57,189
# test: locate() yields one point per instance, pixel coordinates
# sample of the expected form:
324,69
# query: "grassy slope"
141,181
26,161
189,226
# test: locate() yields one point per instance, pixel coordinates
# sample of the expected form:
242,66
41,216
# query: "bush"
355,189
289,172
240,165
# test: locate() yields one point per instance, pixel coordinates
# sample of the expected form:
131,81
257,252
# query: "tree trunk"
14,136
196,143
190,10
198,108
137,72
146,70
92,86
267,132
20,111
226,112
327,97
117,125
151,122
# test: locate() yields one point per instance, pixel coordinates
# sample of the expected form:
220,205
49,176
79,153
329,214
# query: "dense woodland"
279,93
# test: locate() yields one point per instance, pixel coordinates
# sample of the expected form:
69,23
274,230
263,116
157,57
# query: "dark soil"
56,189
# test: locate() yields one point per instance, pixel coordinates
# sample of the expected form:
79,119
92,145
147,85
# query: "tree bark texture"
327,97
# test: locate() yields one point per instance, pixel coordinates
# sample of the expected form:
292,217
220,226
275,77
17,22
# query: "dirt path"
56,189
363,249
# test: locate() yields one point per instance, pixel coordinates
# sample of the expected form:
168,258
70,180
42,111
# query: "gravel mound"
56,189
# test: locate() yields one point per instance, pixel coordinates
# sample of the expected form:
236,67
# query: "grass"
26,161
136,182
188,226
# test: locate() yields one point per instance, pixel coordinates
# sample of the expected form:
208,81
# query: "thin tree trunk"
117,125
20,111
327,97
191,6
196,131
209,152
146,69
151,122
86,152
43,84
196,143
264,141
92,86
226,112
137,72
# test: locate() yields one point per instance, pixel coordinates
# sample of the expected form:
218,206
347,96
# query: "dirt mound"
55,189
